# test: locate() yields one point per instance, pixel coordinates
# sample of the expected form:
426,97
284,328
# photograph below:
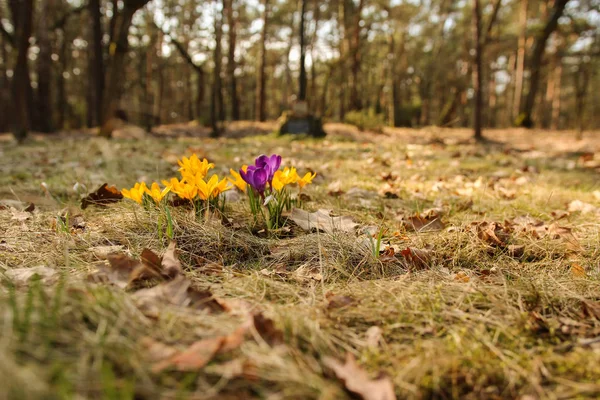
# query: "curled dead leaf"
493,234
22,276
195,357
179,293
417,258
338,301
171,266
102,197
357,381
461,276
322,220
578,271
374,336
430,222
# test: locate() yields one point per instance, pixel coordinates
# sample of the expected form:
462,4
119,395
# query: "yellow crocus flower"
186,191
172,183
192,168
212,188
285,177
306,179
136,193
156,193
238,181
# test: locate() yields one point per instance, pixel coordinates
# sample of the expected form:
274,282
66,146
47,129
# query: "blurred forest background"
71,64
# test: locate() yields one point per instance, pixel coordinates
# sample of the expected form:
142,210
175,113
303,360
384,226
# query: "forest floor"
486,285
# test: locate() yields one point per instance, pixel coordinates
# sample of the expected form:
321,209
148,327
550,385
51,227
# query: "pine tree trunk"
21,82
44,70
302,80
231,63
216,103
477,71
520,67
118,48
536,61
556,93
355,99
96,62
262,78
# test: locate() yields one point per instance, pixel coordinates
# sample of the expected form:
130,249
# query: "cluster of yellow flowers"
193,184
289,176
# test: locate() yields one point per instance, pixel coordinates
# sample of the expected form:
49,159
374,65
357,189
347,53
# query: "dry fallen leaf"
238,367
515,251
577,271
584,208
591,309
357,381
121,271
177,292
417,258
200,353
101,197
374,336
306,273
461,276
491,233
267,330
193,358
170,263
335,189
423,223
322,220
22,276
338,300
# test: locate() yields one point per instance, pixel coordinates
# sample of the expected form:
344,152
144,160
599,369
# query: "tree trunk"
44,70
535,68
61,84
302,80
231,64
520,67
21,82
117,54
262,78
4,87
556,92
477,71
355,102
312,95
582,78
343,49
96,62
216,103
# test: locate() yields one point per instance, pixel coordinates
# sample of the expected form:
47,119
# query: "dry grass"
515,326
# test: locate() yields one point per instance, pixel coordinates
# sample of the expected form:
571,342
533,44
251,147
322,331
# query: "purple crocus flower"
273,162
256,177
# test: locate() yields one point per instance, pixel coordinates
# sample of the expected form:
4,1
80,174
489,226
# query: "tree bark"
262,78
582,78
520,67
117,53
343,49
535,68
355,102
44,68
23,18
216,102
556,93
231,63
302,81
96,62
477,71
